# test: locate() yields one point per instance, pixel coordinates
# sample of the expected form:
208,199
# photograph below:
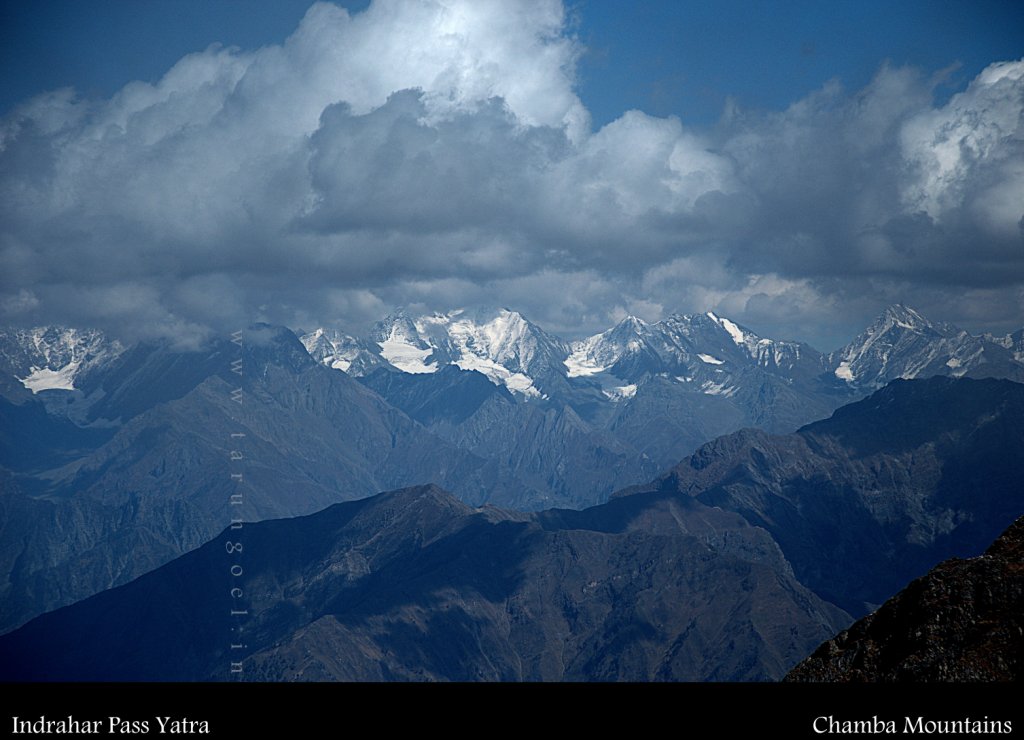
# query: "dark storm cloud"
436,154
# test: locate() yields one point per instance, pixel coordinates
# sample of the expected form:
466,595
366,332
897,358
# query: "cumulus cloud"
435,153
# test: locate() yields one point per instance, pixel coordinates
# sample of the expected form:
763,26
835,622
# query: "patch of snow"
519,383
341,364
734,331
1004,341
717,389
579,365
406,356
843,372
621,393
45,379
589,357
498,374
710,360
953,362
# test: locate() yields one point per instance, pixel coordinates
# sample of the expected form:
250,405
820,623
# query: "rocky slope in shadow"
963,621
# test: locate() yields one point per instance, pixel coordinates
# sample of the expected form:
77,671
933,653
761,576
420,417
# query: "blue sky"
684,58
665,58
795,166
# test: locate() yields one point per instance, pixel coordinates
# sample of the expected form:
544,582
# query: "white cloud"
978,132
436,152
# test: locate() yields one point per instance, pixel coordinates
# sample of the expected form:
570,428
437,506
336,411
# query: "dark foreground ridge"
416,585
964,621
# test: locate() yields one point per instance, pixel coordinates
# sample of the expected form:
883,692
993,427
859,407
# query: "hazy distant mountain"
579,428
656,390
864,501
963,621
415,585
547,446
50,366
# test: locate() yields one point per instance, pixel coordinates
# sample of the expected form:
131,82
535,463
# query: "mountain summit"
506,348
901,343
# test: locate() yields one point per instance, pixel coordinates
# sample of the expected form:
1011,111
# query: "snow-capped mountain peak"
687,346
904,317
901,343
601,352
708,334
507,339
502,345
886,349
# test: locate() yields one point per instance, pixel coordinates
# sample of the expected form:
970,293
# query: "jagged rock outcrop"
963,621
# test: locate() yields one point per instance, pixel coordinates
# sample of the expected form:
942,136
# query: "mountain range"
640,395
731,566
701,352
117,459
